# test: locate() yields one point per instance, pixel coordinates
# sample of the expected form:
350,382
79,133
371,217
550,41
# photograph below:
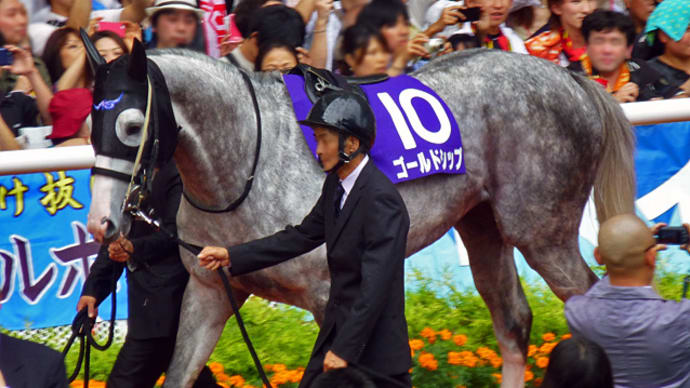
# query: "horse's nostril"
110,229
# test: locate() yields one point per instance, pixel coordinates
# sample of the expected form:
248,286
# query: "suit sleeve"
385,233
286,244
100,280
158,245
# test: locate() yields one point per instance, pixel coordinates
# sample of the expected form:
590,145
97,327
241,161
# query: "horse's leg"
496,279
205,309
556,257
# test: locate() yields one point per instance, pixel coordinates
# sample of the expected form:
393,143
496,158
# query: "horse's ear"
137,61
95,59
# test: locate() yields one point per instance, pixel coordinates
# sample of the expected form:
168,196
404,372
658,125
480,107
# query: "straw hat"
185,5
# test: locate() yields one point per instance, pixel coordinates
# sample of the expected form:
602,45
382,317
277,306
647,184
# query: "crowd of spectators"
637,49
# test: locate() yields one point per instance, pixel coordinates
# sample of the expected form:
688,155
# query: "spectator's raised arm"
319,43
79,14
7,140
23,65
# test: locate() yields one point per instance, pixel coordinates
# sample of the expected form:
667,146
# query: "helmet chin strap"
342,156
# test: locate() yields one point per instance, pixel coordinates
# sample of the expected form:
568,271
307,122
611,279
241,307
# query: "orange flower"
445,334
77,384
486,353
454,358
223,385
160,380
542,362
529,376
566,336
427,361
548,337
498,377
279,368
460,339
236,381
96,384
416,344
222,377
547,347
216,367
429,334
538,381
531,350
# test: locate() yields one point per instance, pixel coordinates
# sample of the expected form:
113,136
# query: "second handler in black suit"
364,223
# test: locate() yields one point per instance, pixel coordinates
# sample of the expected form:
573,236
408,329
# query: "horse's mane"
194,59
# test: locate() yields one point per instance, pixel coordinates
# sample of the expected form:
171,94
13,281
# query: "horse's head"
119,127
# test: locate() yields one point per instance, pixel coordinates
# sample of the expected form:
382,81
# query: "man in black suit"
156,280
25,364
364,223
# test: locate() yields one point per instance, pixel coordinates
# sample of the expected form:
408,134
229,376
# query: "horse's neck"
217,142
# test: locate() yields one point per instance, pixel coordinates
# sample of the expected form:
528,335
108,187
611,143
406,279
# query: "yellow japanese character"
17,192
58,193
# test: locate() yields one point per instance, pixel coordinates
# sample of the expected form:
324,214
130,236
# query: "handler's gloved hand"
213,258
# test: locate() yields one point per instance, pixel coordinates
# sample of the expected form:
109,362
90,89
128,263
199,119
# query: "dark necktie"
339,191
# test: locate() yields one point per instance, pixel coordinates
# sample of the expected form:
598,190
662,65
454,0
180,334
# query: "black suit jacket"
26,364
365,315
156,286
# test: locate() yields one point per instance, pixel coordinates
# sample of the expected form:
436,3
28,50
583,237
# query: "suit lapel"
350,204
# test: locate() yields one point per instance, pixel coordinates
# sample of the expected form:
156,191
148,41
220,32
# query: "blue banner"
45,249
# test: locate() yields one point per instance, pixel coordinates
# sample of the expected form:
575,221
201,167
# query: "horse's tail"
614,184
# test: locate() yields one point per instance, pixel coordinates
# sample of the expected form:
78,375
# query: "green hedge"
284,335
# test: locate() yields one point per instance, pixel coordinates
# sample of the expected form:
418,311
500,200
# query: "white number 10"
405,99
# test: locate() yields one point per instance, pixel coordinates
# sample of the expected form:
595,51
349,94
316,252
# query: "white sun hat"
185,5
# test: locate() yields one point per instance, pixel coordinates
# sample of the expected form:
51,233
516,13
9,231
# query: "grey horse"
537,141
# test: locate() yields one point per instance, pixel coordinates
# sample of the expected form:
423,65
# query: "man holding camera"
646,337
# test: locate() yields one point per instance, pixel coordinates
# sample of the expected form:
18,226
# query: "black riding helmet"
347,113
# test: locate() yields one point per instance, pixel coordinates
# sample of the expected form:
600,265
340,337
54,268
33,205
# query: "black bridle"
134,199
248,184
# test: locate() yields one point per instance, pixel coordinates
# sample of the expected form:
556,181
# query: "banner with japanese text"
45,249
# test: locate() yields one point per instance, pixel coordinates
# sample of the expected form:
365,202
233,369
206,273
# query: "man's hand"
332,361
120,249
213,258
686,247
627,93
90,303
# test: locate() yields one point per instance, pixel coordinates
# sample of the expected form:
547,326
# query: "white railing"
80,157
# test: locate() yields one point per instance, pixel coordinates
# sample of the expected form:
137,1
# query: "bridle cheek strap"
140,151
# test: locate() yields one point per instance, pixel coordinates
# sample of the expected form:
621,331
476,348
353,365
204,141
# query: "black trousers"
141,362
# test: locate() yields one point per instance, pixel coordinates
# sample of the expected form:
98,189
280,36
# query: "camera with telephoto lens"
673,235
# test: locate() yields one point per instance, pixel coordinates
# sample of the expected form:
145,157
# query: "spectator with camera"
609,36
13,26
76,14
669,24
646,337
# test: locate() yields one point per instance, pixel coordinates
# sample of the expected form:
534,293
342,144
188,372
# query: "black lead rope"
82,328
195,250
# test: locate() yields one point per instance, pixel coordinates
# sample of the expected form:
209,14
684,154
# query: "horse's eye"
132,129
